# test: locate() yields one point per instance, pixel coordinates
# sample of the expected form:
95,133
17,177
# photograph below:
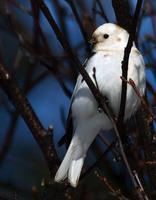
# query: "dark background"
23,171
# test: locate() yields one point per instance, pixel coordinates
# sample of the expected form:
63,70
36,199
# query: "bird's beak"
92,41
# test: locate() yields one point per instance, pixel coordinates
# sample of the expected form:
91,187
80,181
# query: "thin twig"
140,185
8,137
20,6
115,192
98,160
143,102
153,162
102,11
107,143
71,3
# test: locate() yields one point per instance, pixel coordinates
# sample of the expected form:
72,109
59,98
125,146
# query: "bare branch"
42,137
71,3
125,65
115,192
122,12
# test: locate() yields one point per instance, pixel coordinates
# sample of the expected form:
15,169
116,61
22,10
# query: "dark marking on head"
118,39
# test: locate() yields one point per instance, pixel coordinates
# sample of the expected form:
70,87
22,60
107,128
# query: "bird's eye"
106,36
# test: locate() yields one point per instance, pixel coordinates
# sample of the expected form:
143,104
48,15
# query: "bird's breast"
104,69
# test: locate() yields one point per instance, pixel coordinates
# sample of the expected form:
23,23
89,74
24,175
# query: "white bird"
110,41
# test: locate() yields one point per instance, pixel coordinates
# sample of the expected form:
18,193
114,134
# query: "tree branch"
125,65
102,10
71,3
42,136
122,12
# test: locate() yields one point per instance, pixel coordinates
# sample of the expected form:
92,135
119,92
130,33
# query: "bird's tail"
70,167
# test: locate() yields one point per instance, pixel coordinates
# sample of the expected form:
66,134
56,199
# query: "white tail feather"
64,167
71,165
75,171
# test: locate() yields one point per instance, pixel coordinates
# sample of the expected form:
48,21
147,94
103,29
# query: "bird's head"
109,37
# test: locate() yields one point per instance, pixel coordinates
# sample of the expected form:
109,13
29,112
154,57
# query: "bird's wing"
69,124
68,131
